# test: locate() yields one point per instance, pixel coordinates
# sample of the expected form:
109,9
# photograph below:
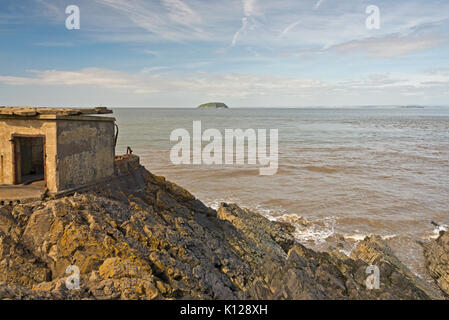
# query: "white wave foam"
436,232
361,236
440,228
316,231
215,204
272,214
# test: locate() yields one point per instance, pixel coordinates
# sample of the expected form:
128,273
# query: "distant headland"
213,105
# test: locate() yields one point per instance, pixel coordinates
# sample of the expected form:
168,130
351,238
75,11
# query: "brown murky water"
347,172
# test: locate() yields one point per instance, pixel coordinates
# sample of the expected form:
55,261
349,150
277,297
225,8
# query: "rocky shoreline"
141,237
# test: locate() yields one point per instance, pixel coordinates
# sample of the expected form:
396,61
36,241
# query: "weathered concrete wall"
85,152
10,127
78,152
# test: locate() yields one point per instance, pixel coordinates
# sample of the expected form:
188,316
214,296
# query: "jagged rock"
375,251
142,237
437,260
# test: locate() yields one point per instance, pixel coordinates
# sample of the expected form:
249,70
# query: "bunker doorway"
29,159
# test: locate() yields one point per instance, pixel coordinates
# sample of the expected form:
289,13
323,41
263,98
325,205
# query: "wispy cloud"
390,46
51,7
170,19
418,38
250,11
86,77
318,4
181,13
150,52
240,31
249,7
278,24
155,69
289,28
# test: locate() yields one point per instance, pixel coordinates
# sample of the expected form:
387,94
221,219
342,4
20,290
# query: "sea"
343,173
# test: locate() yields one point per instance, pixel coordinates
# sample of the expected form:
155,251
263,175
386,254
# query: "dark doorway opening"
29,159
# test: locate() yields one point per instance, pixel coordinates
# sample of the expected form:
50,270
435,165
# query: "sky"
246,53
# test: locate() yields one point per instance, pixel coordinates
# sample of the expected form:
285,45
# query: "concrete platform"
20,193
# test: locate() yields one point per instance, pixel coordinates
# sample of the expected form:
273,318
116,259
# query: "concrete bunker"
60,149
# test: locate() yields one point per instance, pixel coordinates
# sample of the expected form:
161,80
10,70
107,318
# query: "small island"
213,105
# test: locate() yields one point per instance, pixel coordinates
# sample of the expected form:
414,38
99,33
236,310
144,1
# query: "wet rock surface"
142,237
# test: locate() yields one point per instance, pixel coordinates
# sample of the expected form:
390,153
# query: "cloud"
149,70
96,77
150,52
318,4
411,82
250,11
227,85
418,38
110,87
181,13
438,71
170,19
391,45
184,66
277,24
51,7
289,28
249,8
240,31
